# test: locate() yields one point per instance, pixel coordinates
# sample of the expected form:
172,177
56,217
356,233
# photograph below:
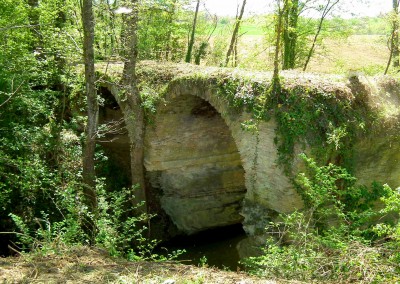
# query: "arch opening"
114,140
194,165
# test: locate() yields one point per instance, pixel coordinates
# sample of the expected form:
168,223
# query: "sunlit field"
365,50
365,53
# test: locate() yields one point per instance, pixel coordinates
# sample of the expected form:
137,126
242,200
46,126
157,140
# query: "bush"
340,237
116,229
47,211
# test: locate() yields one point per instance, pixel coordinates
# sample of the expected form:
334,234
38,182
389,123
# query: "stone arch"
114,139
192,158
269,190
208,93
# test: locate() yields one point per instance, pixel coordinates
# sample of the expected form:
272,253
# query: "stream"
214,247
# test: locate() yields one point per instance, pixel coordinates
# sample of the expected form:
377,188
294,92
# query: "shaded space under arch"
193,163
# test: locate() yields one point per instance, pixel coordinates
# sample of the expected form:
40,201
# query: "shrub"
116,229
339,237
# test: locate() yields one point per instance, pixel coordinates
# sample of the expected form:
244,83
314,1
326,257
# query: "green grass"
252,29
248,27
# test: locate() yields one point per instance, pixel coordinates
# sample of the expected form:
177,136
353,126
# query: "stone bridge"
204,170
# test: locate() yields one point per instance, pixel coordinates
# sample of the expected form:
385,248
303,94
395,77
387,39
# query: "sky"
228,7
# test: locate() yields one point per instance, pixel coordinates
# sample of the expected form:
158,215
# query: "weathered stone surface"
198,166
377,155
378,159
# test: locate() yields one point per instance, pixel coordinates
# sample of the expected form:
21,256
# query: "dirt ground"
84,265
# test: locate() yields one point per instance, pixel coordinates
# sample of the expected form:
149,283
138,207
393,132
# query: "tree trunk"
89,175
235,33
171,15
34,21
290,34
235,53
201,52
278,41
58,58
191,41
134,121
395,35
275,88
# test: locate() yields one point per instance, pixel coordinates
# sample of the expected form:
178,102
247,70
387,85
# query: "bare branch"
19,27
74,42
12,94
115,127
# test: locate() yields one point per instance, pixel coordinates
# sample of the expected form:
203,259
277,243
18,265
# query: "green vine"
328,122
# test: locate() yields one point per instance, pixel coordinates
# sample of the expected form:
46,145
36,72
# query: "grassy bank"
90,265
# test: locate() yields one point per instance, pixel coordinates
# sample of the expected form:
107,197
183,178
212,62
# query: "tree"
89,174
278,31
300,35
325,10
290,16
106,32
135,121
234,38
162,29
275,88
170,21
395,34
394,38
34,44
35,30
201,49
191,41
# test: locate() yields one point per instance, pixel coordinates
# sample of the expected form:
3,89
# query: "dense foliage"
305,115
342,236
41,123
